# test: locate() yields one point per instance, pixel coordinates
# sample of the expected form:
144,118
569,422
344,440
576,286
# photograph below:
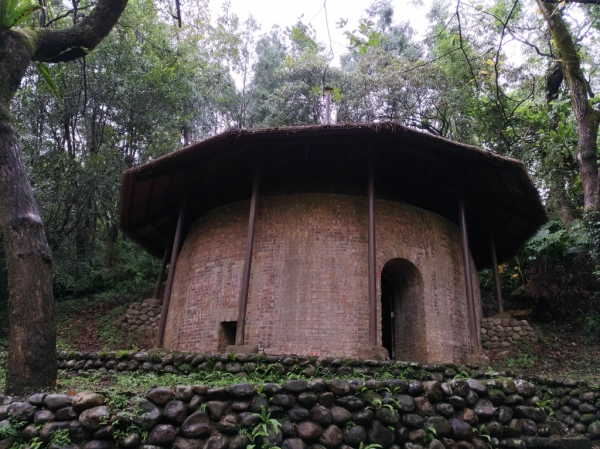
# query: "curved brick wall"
308,288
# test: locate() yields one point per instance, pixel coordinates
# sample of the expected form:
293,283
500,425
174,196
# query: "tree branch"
178,9
497,58
584,2
460,40
68,13
512,32
80,39
430,61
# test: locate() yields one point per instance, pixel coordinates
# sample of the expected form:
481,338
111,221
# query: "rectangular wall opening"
227,333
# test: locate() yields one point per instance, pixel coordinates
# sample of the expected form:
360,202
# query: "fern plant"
15,12
262,428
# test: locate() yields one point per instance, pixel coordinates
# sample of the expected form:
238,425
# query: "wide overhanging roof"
410,166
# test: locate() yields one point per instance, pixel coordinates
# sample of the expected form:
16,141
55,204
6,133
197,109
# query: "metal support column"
243,302
161,272
372,280
169,288
497,282
468,278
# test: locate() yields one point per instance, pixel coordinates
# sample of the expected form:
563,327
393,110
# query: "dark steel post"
169,288
497,282
243,302
161,272
372,284
468,277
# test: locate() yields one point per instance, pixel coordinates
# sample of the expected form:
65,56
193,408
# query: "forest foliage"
483,73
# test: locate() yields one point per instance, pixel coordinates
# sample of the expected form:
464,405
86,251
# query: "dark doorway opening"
387,316
227,334
402,311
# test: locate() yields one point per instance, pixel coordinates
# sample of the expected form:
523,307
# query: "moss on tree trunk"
588,118
32,363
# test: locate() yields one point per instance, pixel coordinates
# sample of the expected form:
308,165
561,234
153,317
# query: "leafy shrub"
524,361
134,271
558,268
592,326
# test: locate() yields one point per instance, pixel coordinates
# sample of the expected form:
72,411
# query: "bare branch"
514,34
67,14
429,61
438,34
529,44
178,9
583,2
460,38
497,58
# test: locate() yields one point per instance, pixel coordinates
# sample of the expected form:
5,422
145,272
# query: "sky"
286,13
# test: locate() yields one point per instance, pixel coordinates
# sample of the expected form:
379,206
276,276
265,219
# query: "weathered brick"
309,286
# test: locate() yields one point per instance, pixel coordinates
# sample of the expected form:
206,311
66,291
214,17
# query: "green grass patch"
138,383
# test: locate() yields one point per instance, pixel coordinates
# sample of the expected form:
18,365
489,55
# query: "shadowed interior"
403,313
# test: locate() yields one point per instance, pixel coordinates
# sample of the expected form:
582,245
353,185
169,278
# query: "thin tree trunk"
588,118
110,256
558,198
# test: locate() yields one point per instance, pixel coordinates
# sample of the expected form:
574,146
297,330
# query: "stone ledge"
242,349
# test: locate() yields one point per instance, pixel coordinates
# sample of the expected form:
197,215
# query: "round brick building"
330,240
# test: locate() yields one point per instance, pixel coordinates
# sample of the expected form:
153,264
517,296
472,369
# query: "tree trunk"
558,198
588,118
32,363
110,256
32,360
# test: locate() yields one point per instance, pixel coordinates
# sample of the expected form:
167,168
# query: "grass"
523,361
88,324
138,383
565,351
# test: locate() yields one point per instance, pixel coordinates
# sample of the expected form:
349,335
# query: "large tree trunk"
588,118
32,360
32,363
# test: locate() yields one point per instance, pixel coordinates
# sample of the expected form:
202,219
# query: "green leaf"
43,68
13,13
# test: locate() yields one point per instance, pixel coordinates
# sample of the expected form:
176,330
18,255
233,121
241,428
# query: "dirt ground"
563,350
89,325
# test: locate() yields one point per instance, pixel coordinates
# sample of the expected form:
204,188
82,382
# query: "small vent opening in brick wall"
227,333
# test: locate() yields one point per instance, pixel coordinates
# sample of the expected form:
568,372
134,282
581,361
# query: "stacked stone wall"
497,333
442,411
489,303
142,316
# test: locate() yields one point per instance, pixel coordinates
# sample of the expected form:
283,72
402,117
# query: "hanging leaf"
43,68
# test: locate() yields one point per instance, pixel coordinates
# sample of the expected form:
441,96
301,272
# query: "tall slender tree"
587,117
32,345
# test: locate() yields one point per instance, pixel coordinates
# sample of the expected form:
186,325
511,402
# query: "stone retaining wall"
87,363
489,303
499,333
495,333
142,316
316,414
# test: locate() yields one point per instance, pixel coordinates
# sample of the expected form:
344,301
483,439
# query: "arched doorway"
402,311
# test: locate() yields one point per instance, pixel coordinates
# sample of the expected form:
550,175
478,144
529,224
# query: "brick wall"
308,289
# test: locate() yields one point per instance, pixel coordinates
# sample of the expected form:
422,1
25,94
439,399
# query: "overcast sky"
286,13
